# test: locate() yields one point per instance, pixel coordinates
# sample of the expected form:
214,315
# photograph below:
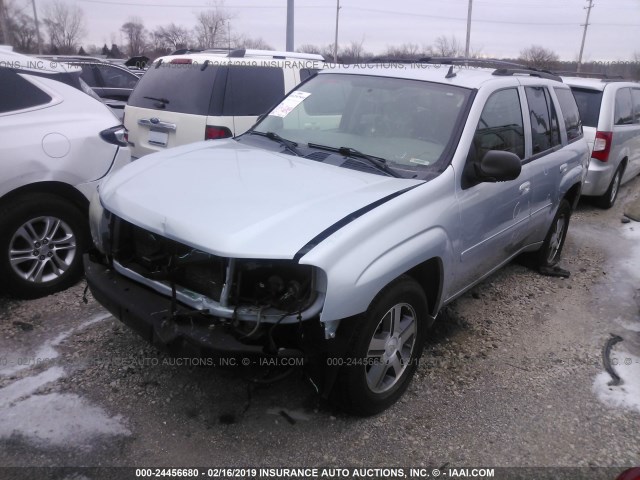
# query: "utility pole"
335,44
4,24
466,50
290,25
584,33
35,20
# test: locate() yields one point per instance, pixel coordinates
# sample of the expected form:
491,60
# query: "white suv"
207,95
56,143
610,111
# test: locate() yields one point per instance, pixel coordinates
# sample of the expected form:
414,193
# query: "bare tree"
539,57
447,46
65,25
212,28
354,53
172,36
243,41
136,35
5,26
309,48
406,51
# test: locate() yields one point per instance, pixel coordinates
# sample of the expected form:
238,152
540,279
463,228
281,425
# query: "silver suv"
610,111
338,227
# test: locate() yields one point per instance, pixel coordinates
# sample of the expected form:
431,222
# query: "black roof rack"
527,71
392,60
602,76
470,60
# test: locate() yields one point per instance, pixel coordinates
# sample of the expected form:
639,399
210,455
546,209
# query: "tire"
42,239
384,353
607,200
551,250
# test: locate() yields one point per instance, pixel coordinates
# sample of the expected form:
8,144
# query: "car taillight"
602,146
114,135
181,61
213,132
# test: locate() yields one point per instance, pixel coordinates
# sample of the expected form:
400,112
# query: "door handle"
563,168
525,188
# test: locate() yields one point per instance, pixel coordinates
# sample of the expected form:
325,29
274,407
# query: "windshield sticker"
419,161
289,103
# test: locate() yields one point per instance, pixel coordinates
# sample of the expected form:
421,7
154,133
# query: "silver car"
610,111
337,227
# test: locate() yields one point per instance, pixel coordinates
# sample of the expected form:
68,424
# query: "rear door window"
89,74
588,104
569,109
545,133
623,113
180,88
18,93
252,90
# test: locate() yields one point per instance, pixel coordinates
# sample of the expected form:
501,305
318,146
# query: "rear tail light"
602,146
213,132
114,135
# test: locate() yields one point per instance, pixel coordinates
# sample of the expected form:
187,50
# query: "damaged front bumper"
164,323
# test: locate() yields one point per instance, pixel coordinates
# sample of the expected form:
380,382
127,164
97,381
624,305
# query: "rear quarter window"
252,90
570,112
18,93
588,102
623,113
186,87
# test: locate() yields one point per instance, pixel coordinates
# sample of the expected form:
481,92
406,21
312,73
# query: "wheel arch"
60,189
429,275
573,195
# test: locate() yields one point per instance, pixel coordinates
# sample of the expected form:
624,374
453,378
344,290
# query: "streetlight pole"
335,43
466,50
290,20
584,34
35,20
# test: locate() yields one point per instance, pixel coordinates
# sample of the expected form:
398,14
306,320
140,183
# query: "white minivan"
610,111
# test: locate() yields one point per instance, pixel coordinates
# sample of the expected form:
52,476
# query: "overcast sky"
500,28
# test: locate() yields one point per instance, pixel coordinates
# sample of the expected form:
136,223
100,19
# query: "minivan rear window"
180,88
588,104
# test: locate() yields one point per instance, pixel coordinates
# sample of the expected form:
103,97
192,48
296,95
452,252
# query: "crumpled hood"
237,201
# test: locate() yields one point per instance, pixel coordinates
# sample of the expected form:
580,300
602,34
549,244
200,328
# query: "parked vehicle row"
334,229
339,225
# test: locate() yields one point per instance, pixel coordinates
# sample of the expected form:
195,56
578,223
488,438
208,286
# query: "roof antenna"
450,73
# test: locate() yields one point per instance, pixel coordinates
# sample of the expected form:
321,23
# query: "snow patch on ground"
53,418
47,349
627,394
58,419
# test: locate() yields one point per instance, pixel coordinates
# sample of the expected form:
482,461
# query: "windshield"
409,124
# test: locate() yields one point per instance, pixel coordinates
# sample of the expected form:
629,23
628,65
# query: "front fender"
363,257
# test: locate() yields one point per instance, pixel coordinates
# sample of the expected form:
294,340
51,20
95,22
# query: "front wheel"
42,238
549,253
385,349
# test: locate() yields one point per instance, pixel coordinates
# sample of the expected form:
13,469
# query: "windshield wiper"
379,163
288,144
162,101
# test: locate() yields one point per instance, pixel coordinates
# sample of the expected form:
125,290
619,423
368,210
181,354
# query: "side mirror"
498,166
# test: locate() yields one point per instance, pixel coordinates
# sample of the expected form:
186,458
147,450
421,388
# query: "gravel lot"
512,376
